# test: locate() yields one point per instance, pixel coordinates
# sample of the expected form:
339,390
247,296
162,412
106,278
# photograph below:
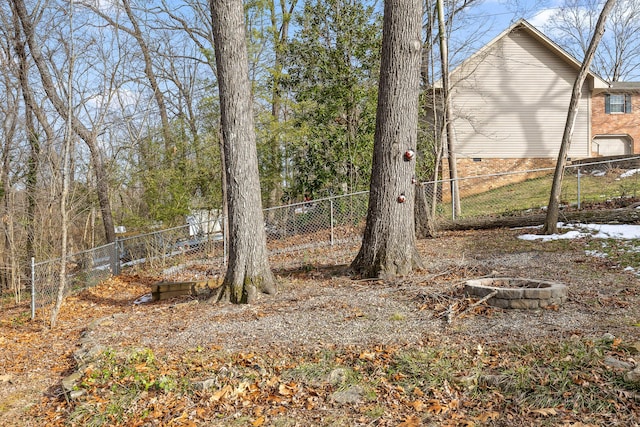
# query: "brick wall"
616,124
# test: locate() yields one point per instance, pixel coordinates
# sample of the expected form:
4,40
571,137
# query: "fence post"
224,241
33,288
453,199
115,258
579,198
331,218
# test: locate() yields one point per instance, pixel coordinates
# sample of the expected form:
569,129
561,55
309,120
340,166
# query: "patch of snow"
596,254
629,173
596,231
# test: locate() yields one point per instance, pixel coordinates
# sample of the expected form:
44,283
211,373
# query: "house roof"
522,24
625,86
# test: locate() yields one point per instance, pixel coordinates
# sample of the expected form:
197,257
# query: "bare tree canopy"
618,55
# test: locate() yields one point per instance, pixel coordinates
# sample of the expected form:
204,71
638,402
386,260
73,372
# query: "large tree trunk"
388,245
551,221
248,272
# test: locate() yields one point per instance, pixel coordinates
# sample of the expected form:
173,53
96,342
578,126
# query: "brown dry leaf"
579,424
222,393
486,416
272,381
545,412
418,405
258,421
141,367
367,356
434,406
287,389
418,392
411,421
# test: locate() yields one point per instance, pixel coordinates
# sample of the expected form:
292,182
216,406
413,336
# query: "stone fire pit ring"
518,293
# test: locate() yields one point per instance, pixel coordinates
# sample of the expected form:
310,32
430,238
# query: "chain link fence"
298,234
606,183
83,270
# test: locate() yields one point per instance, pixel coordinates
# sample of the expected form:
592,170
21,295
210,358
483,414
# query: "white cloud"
540,19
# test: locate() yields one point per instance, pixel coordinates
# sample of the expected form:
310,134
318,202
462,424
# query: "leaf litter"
331,350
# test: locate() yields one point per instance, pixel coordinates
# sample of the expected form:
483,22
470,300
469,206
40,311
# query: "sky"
498,15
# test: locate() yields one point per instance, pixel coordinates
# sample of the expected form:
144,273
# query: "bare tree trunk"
9,132
89,137
248,272
388,245
448,114
551,221
425,228
66,177
280,34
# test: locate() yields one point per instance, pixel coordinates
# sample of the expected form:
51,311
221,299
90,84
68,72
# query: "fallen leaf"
435,407
418,405
220,394
258,421
411,421
367,356
287,389
486,416
545,412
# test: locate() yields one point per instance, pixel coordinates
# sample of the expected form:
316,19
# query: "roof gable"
522,25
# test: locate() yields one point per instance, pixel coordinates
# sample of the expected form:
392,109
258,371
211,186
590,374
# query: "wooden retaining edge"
166,290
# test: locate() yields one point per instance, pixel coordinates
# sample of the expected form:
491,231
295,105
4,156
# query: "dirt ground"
322,306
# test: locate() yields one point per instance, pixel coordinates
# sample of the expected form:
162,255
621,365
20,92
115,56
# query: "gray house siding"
511,99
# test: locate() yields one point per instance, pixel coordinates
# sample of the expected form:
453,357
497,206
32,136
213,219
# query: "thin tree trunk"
551,221
66,178
248,271
448,114
388,245
89,137
280,36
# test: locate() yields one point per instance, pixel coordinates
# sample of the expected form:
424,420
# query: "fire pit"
506,292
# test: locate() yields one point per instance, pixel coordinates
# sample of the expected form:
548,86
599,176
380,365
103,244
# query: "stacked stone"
518,293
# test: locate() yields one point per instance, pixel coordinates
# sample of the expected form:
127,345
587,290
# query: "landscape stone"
617,364
633,376
351,395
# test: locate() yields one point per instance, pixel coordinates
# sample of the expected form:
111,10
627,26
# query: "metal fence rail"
193,252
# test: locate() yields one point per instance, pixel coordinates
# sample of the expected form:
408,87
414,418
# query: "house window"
617,103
